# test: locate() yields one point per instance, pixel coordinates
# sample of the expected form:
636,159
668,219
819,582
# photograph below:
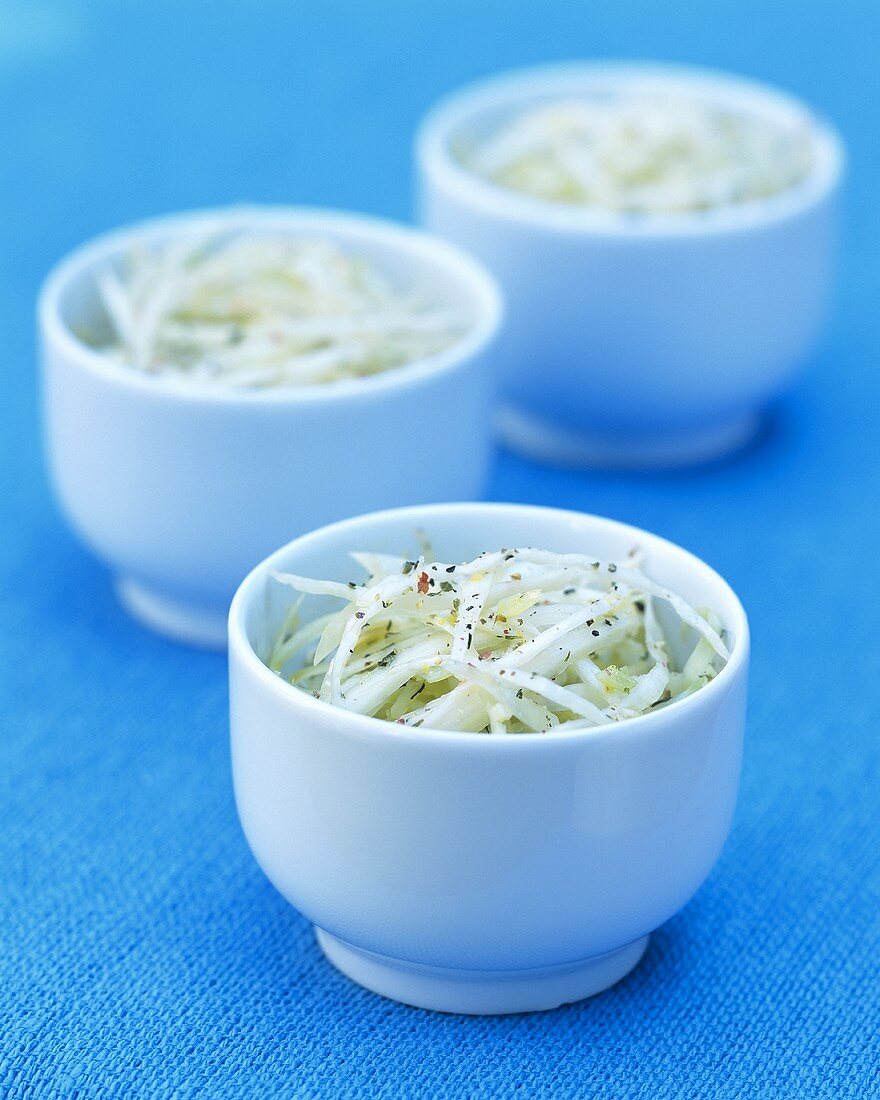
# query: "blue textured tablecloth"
141,950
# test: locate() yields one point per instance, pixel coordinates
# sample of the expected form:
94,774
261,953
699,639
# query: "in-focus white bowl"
474,873
181,489
638,340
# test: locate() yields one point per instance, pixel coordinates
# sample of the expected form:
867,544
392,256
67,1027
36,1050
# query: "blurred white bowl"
638,340
474,873
181,488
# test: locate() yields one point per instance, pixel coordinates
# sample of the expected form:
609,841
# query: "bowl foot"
477,992
540,440
193,624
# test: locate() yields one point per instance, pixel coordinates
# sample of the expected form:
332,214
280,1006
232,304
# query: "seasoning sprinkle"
466,672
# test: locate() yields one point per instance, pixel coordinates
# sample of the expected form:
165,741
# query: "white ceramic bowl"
182,489
472,873
650,340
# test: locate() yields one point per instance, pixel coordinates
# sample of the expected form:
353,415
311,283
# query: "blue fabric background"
143,953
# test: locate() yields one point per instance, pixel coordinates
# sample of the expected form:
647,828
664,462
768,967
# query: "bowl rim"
436,163
388,733
422,246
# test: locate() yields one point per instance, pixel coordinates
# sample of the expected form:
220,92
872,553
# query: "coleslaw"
253,310
513,641
643,153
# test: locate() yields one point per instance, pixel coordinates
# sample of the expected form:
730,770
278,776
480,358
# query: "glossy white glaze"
448,857
181,489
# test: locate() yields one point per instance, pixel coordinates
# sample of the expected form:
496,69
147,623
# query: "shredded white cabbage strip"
514,641
255,310
642,152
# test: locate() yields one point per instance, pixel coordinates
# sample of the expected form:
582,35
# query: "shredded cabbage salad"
643,154
248,309
515,641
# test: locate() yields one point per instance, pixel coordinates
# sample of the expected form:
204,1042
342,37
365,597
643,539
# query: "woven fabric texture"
143,953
